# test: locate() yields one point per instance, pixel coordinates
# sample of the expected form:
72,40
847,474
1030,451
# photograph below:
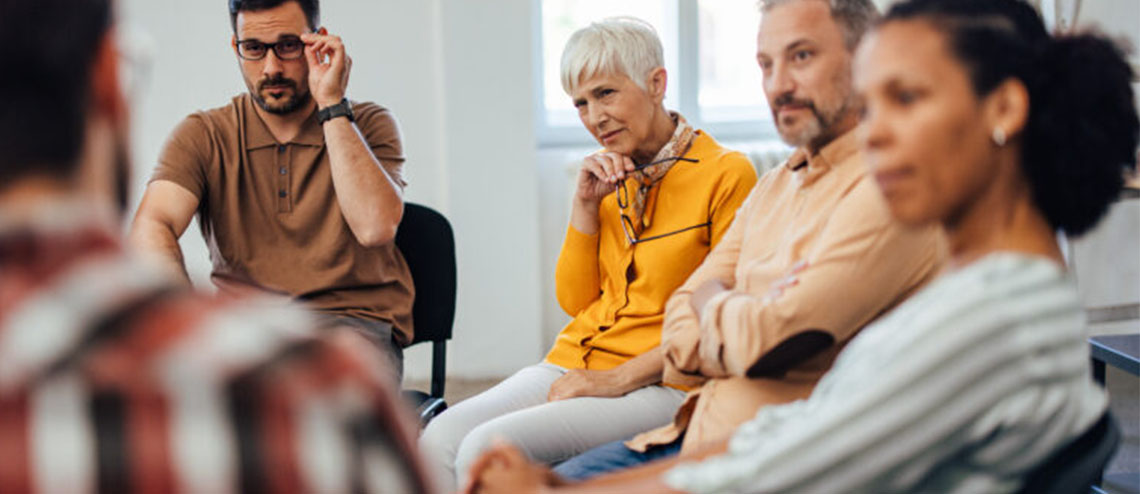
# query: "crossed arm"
720,330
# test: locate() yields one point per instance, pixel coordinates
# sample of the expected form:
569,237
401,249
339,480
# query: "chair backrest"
1079,464
428,245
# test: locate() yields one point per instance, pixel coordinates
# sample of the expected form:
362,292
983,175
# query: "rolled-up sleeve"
863,263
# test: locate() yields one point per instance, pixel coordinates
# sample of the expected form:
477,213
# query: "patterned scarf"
645,198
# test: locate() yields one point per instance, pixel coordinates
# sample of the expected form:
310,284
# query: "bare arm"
162,217
369,198
371,201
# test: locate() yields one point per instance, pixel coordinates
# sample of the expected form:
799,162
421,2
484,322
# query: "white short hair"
616,45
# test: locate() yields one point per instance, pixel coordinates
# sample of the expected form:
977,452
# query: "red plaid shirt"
113,380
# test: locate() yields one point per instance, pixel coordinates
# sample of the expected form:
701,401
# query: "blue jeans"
611,457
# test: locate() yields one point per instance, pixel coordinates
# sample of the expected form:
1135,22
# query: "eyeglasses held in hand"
286,48
623,203
627,228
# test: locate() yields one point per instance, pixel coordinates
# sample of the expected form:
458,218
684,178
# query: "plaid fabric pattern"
112,380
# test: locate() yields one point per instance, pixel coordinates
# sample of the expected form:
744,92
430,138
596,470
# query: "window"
730,88
710,50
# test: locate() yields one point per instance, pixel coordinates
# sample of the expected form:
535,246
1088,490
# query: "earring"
998,136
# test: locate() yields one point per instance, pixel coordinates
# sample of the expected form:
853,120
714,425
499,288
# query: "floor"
1123,389
457,389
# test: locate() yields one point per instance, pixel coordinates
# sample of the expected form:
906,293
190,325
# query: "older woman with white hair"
647,210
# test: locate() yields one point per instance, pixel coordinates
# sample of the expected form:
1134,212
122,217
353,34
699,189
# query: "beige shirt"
271,219
820,221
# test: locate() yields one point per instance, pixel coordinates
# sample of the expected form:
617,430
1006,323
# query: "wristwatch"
341,109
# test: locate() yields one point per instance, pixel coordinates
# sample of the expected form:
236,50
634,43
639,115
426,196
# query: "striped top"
964,388
111,380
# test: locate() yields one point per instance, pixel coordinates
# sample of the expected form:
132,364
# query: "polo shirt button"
284,170
281,193
280,148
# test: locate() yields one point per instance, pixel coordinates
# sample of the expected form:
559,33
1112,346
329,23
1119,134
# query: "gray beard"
818,132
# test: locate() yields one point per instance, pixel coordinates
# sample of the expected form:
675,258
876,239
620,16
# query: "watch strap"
342,109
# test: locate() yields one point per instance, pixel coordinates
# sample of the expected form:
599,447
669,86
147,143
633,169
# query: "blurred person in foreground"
978,120
648,208
114,378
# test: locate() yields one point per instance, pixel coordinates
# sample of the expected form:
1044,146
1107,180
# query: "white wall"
490,162
464,104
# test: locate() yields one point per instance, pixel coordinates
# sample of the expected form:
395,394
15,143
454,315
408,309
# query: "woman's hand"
596,179
640,371
599,173
577,383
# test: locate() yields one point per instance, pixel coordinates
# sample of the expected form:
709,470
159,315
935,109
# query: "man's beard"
289,105
817,129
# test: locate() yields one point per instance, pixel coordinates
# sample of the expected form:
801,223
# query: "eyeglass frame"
271,46
622,203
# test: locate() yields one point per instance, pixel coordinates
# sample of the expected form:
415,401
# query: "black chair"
1077,467
428,245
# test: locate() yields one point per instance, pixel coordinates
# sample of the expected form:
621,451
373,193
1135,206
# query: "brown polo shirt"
270,217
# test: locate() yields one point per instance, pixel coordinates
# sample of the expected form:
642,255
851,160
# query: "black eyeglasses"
623,203
286,48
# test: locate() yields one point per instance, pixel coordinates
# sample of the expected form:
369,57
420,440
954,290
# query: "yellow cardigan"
617,293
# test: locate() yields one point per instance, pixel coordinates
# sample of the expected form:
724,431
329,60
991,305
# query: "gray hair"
619,45
855,17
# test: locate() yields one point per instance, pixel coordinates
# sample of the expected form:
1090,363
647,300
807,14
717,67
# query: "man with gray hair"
812,257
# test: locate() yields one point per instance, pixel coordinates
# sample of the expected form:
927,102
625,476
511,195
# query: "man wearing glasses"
298,191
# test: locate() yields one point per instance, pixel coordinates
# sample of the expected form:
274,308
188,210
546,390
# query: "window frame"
687,81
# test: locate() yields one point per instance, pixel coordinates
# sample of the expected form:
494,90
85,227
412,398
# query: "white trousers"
516,410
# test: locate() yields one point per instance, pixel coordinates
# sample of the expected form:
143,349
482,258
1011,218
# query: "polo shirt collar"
812,166
257,134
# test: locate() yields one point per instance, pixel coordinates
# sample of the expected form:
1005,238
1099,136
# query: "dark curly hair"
1083,129
311,8
44,91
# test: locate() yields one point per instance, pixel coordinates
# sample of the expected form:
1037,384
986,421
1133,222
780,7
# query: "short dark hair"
311,8
50,48
1083,130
